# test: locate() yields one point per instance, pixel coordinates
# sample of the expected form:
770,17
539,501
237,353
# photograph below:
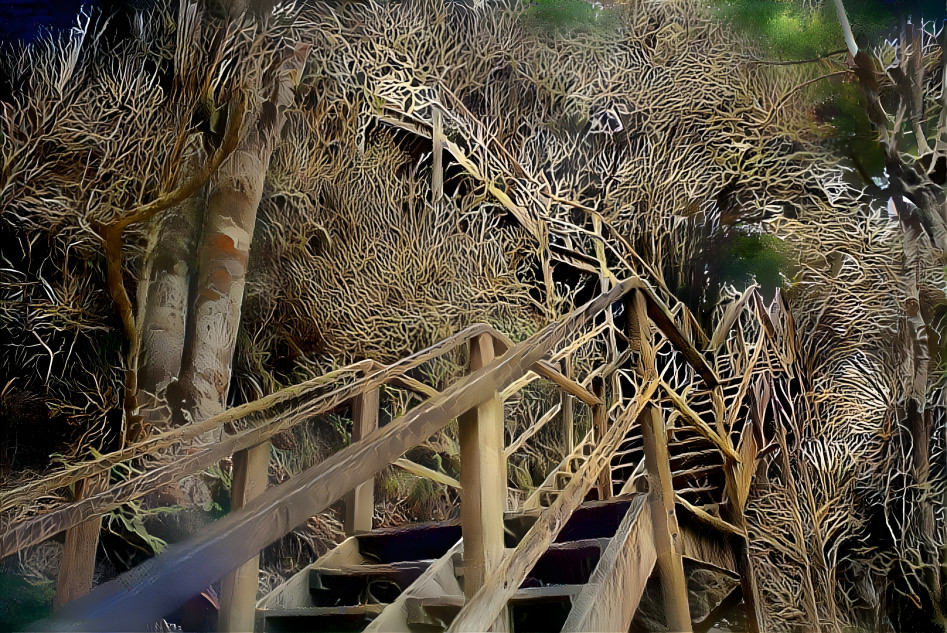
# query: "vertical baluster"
238,589
600,424
82,540
670,563
483,483
360,503
567,402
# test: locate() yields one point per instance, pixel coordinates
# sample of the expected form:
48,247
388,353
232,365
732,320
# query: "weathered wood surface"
238,588
78,559
480,611
670,564
483,482
609,599
360,502
423,471
162,583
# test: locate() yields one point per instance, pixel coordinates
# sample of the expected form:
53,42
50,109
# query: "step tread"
293,612
372,569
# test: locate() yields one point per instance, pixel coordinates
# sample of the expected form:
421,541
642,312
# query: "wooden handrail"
38,528
479,613
373,375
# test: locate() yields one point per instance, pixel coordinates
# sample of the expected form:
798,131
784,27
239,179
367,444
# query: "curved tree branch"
112,237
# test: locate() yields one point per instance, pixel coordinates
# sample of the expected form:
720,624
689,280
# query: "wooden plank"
82,541
600,428
427,473
360,502
437,143
609,599
566,403
531,431
483,483
545,369
698,423
311,398
709,519
548,371
414,385
670,563
479,611
238,589
160,584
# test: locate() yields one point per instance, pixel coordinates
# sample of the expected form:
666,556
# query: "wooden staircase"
669,431
412,578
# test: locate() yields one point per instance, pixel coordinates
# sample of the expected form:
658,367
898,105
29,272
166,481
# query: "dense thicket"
586,143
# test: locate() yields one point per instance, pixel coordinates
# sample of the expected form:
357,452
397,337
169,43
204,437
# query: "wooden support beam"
483,483
437,141
567,404
163,583
82,541
599,429
698,423
547,370
609,599
670,562
422,471
238,589
708,519
480,610
360,503
565,382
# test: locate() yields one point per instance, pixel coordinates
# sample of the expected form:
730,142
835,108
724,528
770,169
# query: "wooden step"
351,585
287,620
441,611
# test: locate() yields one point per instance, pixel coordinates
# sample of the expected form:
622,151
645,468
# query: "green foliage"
851,135
564,17
789,29
802,29
761,257
22,603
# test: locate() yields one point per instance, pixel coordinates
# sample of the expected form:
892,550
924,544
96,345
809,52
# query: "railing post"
567,401
483,483
734,513
360,503
600,424
238,589
667,540
82,541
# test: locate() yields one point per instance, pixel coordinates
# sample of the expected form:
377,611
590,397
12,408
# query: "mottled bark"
163,301
222,257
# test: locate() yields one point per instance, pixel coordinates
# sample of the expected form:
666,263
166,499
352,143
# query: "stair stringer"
609,600
440,579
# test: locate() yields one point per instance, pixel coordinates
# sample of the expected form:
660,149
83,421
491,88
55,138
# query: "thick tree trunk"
225,247
163,302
